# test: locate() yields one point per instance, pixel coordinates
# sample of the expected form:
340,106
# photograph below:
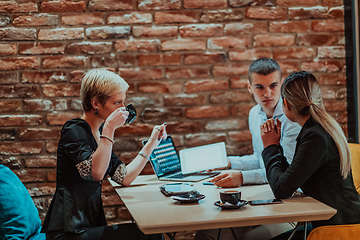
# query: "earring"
96,111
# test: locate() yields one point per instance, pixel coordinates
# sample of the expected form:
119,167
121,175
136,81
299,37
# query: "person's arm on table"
246,162
101,157
237,178
252,169
135,166
285,181
230,179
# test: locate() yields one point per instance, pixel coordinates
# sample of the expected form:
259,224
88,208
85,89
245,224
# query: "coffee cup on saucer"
230,197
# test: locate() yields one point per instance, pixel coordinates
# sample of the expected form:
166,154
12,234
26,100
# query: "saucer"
229,205
188,198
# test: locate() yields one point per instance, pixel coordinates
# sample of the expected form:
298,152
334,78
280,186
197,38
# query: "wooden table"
155,213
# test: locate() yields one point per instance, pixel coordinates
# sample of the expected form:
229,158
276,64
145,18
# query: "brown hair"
264,66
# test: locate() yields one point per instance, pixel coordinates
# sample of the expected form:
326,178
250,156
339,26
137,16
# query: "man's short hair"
264,66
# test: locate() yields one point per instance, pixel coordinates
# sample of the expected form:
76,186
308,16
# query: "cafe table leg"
233,233
293,232
305,229
219,234
172,237
295,229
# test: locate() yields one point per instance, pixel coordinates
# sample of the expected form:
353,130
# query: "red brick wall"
186,62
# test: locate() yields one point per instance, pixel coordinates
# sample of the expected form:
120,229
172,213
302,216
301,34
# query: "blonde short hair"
100,84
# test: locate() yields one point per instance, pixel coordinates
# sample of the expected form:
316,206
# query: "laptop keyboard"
179,175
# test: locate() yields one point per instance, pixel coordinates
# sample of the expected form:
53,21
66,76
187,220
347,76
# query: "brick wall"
186,62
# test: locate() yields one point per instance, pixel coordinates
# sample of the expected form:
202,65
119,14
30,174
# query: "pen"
208,183
164,124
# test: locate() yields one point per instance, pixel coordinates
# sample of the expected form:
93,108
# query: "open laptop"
169,167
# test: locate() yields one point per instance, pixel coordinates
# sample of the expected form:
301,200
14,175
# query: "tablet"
203,158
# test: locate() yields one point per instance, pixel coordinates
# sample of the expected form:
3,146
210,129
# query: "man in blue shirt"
264,84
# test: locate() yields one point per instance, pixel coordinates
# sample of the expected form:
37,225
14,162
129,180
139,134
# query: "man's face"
266,91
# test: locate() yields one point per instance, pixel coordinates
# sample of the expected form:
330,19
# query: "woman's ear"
287,105
94,103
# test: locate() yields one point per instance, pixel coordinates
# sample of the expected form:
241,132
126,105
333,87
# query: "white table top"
156,213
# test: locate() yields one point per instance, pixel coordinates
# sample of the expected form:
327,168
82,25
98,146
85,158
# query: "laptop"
168,166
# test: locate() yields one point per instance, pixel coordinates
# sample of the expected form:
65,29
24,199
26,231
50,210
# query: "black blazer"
316,170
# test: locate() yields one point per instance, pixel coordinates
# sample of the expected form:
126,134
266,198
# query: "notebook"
168,166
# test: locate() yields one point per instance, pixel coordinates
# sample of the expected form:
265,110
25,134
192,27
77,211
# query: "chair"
335,232
19,218
355,164
342,232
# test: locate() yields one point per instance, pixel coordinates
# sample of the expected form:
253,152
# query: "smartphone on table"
265,202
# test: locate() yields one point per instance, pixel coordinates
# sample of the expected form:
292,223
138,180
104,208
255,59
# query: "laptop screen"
164,159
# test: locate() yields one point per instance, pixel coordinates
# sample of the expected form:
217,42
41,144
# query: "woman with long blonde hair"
321,166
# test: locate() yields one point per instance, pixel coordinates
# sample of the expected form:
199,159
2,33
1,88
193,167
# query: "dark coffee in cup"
230,196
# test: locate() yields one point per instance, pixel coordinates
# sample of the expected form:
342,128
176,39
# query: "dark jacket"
76,205
316,170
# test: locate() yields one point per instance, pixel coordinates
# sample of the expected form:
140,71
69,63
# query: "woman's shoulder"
314,131
75,125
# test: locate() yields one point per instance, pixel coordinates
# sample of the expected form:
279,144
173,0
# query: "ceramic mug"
230,196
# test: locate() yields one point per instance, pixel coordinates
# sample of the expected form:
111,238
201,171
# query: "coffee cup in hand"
230,196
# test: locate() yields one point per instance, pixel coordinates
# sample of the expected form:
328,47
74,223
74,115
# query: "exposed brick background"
186,62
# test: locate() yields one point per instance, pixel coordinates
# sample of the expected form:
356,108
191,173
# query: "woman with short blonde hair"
85,158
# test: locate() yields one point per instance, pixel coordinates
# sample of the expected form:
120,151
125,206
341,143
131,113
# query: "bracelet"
141,153
108,138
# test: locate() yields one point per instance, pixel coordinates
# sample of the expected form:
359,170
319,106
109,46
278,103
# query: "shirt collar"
278,109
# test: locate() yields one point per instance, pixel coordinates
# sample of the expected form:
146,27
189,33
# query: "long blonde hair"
301,90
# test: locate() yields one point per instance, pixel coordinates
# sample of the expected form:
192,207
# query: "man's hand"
230,179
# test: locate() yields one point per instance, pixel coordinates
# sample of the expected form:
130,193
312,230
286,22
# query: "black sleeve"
77,143
309,157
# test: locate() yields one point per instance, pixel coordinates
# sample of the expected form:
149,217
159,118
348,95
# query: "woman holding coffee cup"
321,166
85,158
